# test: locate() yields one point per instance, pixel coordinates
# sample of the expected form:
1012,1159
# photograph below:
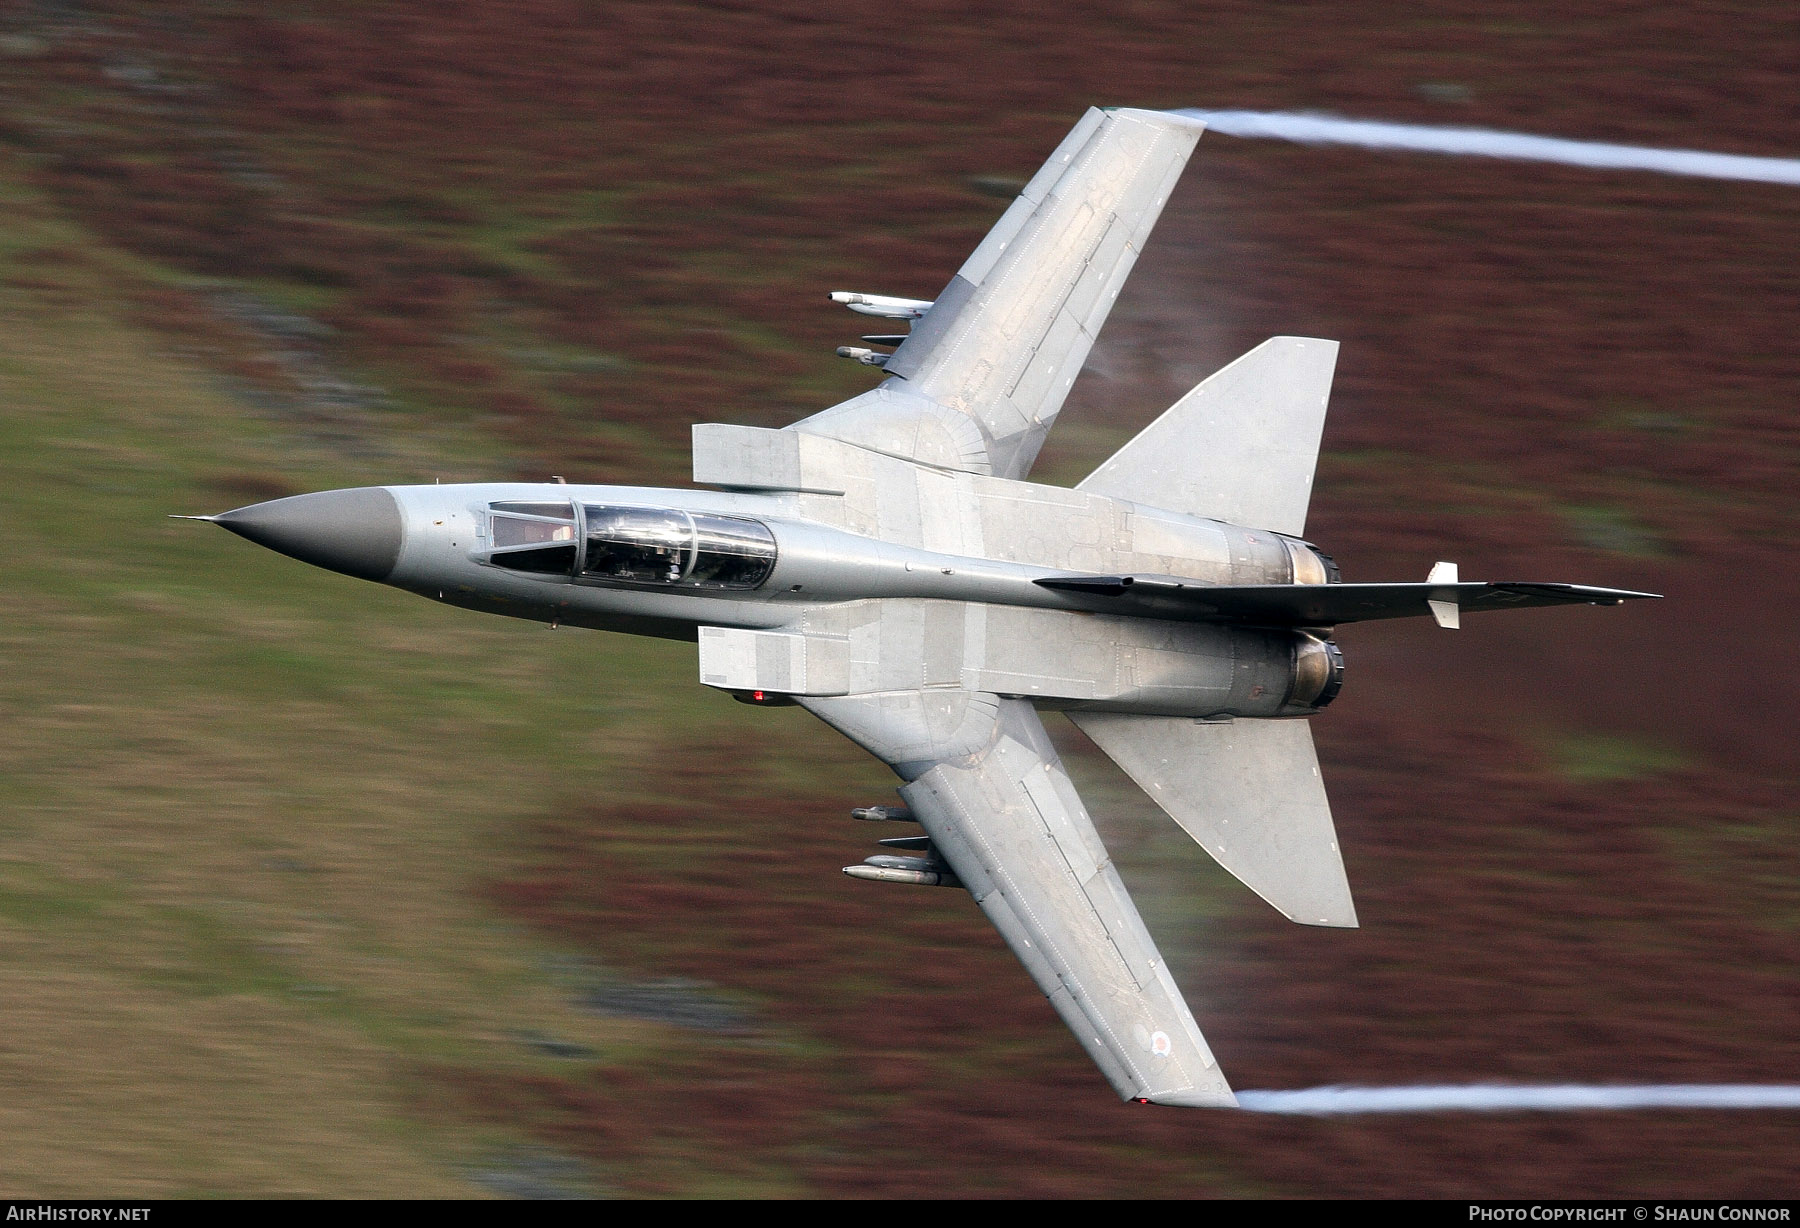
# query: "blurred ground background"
310,887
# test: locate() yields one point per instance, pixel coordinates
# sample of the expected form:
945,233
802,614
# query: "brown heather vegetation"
582,227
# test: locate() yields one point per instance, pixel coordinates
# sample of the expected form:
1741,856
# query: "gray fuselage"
975,622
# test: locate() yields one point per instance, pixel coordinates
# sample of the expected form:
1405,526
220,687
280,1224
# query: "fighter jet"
886,565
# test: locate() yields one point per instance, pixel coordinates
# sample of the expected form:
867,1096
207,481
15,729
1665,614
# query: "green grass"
1614,531
246,807
1743,863
1598,758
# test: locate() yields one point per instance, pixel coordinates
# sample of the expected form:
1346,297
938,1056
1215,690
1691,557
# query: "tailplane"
1249,793
1241,447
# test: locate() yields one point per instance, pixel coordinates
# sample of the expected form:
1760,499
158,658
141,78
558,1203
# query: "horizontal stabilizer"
1319,605
1249,793
1241,447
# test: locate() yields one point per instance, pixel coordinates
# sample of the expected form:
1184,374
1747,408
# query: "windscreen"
534,537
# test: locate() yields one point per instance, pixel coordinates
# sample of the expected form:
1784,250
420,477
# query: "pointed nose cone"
357,532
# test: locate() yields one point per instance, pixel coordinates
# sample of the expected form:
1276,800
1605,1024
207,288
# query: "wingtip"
207,519
1179,118
1196,1098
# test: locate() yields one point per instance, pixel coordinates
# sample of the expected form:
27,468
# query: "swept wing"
991,793
979,382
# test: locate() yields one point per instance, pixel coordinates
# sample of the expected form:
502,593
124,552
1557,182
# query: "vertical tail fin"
1240,447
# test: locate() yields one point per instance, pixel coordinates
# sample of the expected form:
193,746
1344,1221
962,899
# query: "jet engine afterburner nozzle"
356,531
1318,675
1311,565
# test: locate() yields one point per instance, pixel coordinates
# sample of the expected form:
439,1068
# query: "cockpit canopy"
636,545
